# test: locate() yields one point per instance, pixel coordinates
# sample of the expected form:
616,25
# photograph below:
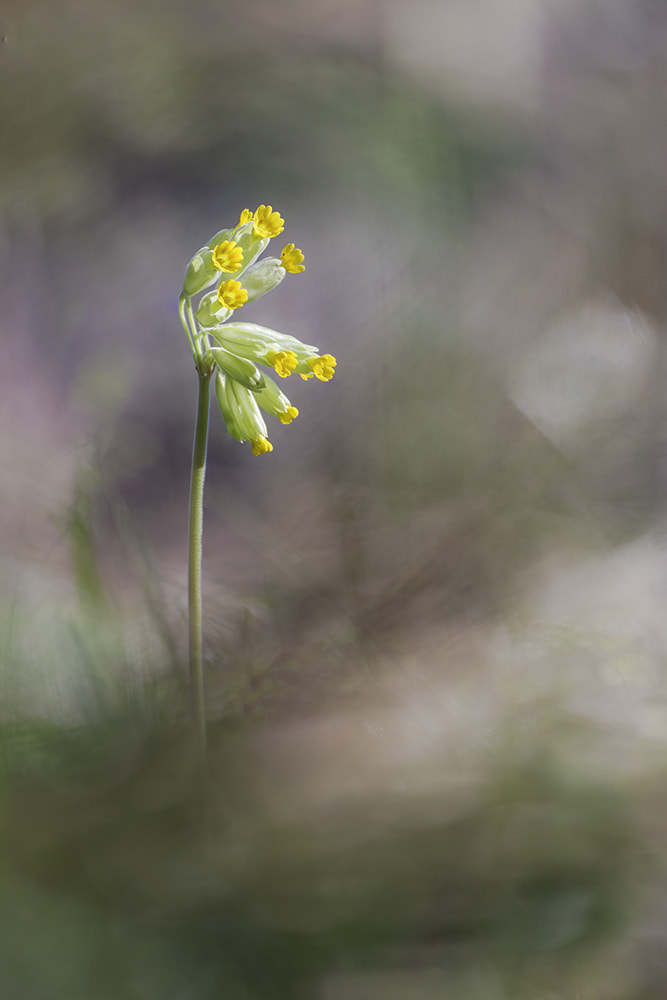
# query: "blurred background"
435,623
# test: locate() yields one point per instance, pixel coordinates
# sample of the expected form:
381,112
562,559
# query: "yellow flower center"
292,259
284,362
261,445
322,368
289,416
227,256
267,222
232,294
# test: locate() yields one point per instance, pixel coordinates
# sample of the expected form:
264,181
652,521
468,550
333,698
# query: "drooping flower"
322,368
239,409
234,352
242,370
284,362
290,414
260,342
261,445
292,259
272,400
243,346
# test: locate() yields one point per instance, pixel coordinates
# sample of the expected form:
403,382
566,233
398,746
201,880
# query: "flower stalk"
228,354
195,546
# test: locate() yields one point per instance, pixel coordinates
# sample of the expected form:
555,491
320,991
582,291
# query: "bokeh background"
435,615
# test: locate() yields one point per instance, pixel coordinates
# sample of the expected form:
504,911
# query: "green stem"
196,525
183,304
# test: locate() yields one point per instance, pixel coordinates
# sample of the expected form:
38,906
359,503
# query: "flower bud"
240,369
199,273
263,277
252,247
223,234
226,409
239,409
275,402
210,312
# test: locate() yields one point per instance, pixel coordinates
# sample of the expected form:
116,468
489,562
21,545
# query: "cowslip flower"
261,446
322,368
232,294
235,357
227,256
284,362
292,259
240,354
267,223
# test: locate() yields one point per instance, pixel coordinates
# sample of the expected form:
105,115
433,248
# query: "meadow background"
435,623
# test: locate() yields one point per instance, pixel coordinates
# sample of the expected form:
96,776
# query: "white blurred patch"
487,51
590,367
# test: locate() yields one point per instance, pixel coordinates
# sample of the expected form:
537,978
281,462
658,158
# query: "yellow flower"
227,256
284,362
236,351
267,222
290,414
322,368
261,445
292,259
232,294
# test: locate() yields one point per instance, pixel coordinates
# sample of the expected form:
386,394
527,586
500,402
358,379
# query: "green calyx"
240,369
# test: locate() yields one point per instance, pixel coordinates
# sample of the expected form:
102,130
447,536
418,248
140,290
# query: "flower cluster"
231,351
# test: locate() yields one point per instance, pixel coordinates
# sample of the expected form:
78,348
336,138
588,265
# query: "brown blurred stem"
196,525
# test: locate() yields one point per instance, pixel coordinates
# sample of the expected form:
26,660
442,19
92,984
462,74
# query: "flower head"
227,256
238,354
267,222
232,294
292,259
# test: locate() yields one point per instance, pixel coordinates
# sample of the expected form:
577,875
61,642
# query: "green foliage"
122,877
